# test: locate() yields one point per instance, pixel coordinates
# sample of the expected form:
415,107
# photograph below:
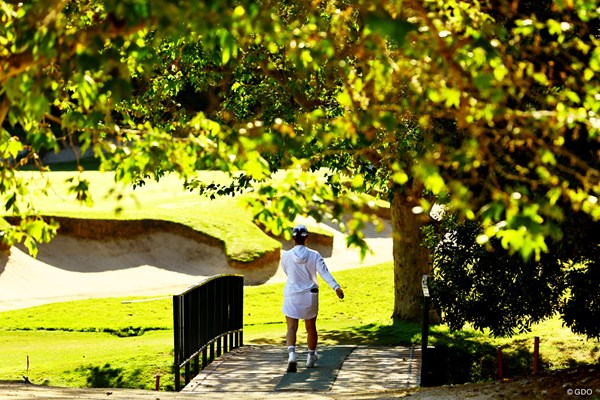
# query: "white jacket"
301,265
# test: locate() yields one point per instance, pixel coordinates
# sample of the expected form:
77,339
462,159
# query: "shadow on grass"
463,356
396,334
108,377
459,357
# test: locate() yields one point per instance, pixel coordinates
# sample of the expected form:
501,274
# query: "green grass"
84,359
115,343
472,354
93,315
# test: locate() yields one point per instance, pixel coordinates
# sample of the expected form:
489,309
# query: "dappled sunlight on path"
340,370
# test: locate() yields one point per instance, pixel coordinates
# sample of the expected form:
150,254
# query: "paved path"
340,370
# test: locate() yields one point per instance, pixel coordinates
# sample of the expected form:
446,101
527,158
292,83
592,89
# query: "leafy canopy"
493,109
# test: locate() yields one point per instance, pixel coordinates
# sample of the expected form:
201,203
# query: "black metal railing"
208,321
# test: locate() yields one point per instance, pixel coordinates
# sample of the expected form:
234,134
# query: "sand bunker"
157,263
71,268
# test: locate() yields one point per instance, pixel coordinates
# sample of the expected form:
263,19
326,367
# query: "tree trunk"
411,259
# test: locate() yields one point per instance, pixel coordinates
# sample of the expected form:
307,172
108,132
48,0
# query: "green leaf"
306,58
500,72
256,166
239,11
548,157
434,95
36,229
344,99
452,97
11,202
31,246
541,78
574,97
400,177
228,46
39,105
13,147
358,181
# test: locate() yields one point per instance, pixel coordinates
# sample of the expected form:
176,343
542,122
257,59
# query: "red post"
157,382
536,354
500,372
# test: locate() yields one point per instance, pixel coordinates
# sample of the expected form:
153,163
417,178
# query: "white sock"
292,353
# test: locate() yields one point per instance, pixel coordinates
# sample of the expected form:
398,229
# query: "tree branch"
53,13
4,107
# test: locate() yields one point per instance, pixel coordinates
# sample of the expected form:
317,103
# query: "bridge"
340,370
208,329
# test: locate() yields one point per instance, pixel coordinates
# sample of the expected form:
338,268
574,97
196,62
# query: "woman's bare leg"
311,331
292,329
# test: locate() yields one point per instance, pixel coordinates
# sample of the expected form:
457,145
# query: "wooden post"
157,385
536,354
500,371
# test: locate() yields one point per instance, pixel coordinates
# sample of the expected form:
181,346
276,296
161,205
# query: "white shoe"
311,360
292,363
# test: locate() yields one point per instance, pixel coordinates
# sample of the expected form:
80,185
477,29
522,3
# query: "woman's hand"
340,293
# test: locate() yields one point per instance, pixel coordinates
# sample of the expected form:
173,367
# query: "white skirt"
301,306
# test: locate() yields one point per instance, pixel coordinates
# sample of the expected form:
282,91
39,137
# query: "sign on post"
425,286
425,359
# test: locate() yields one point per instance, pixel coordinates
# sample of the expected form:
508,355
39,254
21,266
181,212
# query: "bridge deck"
340,369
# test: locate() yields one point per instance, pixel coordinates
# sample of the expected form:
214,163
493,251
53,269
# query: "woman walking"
301,294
